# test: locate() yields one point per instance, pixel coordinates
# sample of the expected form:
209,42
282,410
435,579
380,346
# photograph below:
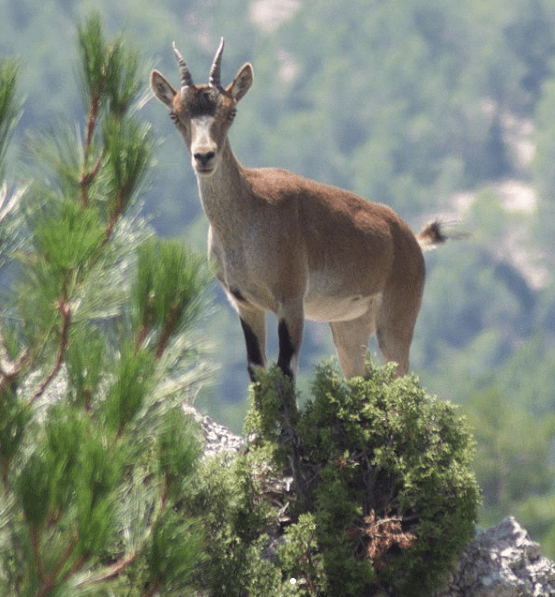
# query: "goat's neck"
226,193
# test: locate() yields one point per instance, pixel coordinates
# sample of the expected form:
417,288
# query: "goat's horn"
186,79
215,71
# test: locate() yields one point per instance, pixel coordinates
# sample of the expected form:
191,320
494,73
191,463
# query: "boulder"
502,562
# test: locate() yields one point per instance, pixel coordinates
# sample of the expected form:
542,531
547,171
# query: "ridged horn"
186,79
215,71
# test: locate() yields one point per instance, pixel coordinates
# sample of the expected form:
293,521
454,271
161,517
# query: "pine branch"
35,544
91,122
65,311
115,215
141,336
169,329
9,368
88,177
125,561
49,581
64,559
112,572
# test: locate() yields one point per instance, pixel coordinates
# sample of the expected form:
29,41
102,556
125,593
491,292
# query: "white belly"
330,309
328,300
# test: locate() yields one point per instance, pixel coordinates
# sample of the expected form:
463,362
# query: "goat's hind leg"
351,342
395,328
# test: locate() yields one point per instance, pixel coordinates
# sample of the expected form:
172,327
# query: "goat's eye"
232,114
174,117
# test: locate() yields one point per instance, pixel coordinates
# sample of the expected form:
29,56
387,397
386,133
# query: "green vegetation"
102,488
393,466
407,102
96,356
384,494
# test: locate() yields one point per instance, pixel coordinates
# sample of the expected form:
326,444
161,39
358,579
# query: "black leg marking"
254,356
286,349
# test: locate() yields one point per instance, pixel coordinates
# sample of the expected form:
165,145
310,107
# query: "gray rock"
502,562
217,438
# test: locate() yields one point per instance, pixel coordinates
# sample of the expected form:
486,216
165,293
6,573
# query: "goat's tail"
431,235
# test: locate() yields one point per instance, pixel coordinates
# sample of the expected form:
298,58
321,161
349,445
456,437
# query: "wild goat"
289,245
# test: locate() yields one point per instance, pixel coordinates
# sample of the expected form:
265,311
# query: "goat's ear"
242,82
162,89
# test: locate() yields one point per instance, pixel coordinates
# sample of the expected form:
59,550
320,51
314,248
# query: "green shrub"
227,497
394,498
385,497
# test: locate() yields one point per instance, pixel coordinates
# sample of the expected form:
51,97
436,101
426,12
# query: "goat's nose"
203,159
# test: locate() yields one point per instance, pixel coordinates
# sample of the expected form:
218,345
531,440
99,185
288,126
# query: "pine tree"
97,352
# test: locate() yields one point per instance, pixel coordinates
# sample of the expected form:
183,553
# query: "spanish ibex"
286,244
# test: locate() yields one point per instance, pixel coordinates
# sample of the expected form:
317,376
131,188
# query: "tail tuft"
431,235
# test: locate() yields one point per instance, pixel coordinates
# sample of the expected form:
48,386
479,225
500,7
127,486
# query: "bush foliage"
384,494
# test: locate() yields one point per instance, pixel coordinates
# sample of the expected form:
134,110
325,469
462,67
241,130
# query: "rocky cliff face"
501,562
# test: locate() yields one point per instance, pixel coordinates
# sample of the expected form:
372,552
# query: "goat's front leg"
290,318
253,322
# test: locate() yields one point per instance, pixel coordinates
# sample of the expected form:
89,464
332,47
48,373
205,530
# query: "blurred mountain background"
438,109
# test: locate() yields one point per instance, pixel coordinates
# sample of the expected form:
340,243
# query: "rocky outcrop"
217,438
503,562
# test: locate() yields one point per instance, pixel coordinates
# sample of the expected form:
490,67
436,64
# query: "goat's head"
203,113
